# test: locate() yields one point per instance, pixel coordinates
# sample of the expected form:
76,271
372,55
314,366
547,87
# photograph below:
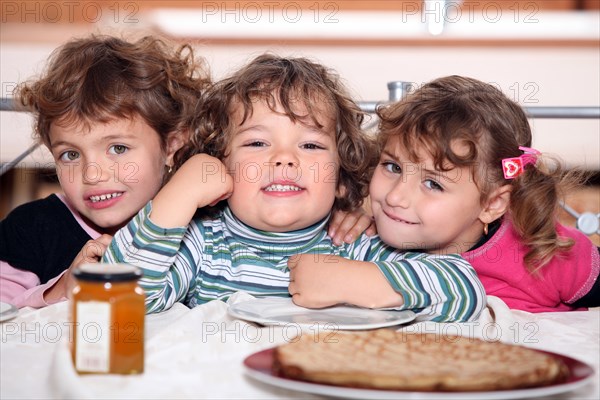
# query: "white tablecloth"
198,353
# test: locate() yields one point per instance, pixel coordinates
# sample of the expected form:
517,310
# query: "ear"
496,205
341,191
175,141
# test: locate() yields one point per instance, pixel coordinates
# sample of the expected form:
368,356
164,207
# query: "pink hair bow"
513,167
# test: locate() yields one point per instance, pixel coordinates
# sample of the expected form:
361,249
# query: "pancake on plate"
385,359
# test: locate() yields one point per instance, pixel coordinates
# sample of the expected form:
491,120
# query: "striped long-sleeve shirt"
212,259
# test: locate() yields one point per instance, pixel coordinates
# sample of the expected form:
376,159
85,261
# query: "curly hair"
100,78
492,127
283,81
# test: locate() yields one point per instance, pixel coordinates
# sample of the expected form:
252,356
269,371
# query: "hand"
208,176
201,181
320,280
347,226
314,280
91,252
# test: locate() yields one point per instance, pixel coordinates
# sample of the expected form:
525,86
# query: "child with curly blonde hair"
281,142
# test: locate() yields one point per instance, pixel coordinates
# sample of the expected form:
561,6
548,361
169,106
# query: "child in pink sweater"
457,175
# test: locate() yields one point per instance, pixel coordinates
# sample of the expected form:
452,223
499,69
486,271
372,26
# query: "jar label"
93,336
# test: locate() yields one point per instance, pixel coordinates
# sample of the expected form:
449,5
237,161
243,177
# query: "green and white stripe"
212,259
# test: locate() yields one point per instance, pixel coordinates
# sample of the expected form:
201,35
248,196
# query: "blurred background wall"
538,52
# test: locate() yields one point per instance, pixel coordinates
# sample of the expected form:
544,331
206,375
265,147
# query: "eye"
312,146
433,185
392,167
255,143
117,149
70,155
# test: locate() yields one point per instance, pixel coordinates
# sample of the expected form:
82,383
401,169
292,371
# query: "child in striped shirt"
281,142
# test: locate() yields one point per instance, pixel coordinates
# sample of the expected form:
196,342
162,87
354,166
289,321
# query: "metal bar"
397,90
532,112
569,210
370,106
7,104
9,165
563,112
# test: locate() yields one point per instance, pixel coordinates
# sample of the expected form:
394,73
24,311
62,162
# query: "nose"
284,156
99,171
399,195
279,163
285,164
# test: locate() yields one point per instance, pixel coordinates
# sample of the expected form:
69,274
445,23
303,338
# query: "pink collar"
94,234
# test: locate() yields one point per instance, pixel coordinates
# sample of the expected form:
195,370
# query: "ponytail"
535,200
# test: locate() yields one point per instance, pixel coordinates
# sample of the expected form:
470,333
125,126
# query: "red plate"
258,366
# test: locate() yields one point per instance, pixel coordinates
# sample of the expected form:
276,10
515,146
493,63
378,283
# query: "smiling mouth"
282,188
403,221
103,197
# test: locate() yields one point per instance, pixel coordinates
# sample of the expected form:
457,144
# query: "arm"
22,288
442,288
34,296
201,181
320,280
16,284
592,297
154,250
157,241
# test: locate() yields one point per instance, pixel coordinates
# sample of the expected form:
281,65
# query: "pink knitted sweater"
567,278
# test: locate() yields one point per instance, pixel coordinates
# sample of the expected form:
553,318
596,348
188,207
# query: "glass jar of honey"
107,310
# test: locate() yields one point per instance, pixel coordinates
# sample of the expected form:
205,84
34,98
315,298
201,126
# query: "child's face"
109,172
418,207
285,173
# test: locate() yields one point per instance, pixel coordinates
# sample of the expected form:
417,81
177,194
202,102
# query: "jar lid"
107,272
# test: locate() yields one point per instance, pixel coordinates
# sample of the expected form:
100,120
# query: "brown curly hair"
278,80
478,115
100,78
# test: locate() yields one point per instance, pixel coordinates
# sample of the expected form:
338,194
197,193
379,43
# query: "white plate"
7,311
258,366
282,311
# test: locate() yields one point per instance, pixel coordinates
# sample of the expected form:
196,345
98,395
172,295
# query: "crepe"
384,359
